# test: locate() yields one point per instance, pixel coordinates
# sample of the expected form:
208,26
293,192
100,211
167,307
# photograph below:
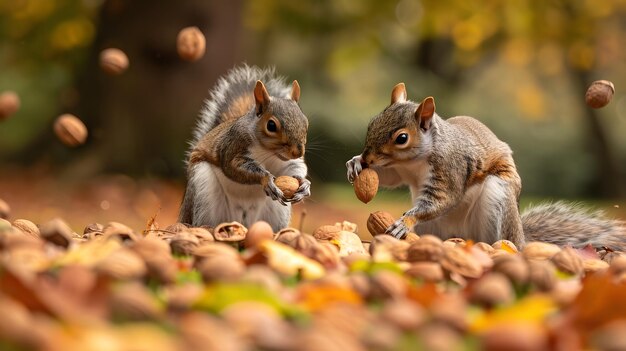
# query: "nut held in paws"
288,185
366,185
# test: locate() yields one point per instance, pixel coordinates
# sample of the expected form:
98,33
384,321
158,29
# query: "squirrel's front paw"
273,191
354,167
398,229
303,191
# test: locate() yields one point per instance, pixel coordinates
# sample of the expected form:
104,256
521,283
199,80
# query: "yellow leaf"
532,309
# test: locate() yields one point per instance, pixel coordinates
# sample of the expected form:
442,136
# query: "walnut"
537,250
599,93
378,222
288,185
457,260
427,248
567,260
27,227
233,231
57,232
191,44
493,289
366,185
113,61
70,130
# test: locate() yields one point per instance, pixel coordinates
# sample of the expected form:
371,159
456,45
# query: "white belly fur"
219,199
474,217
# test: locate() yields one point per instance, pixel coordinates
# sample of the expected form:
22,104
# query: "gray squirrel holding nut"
462,178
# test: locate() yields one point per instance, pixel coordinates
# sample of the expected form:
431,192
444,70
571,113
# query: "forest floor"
38,196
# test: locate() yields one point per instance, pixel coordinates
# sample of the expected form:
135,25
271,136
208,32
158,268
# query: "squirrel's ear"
295,91
398,94
261,97
425,112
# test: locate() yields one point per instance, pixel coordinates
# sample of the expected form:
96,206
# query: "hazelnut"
457,260
191,44
427,248
492,289
57,232
258,232
366,185
9,104
599,93
233,231
567,260
27,227
288,185
113,61
378,222
537,250
5,209
70,130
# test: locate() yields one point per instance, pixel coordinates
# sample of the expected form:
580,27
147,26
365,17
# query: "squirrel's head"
281,125
400,132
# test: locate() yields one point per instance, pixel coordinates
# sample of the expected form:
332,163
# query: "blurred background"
521,67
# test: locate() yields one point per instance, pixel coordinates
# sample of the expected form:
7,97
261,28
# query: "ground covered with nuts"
112,287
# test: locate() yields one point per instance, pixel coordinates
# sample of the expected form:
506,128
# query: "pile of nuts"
237,288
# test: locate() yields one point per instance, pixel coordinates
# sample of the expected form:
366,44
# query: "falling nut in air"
288,185
599,93
366,185
9,104
70,130
113,61
191,44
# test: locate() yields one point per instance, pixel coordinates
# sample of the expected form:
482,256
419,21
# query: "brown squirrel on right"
464,182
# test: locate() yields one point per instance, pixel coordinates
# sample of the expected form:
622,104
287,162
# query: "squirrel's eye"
402,139
271,126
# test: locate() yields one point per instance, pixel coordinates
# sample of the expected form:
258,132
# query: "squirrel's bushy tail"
572,225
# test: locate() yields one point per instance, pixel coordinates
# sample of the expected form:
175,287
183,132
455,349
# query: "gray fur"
237,82
574,225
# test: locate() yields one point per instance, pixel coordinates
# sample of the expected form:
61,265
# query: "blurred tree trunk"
607,176
140,121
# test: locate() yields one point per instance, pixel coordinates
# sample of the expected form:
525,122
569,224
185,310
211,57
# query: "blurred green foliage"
515,65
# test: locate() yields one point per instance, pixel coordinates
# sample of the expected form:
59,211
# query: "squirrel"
464,182
248,133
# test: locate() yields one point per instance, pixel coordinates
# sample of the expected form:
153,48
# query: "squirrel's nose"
297,151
